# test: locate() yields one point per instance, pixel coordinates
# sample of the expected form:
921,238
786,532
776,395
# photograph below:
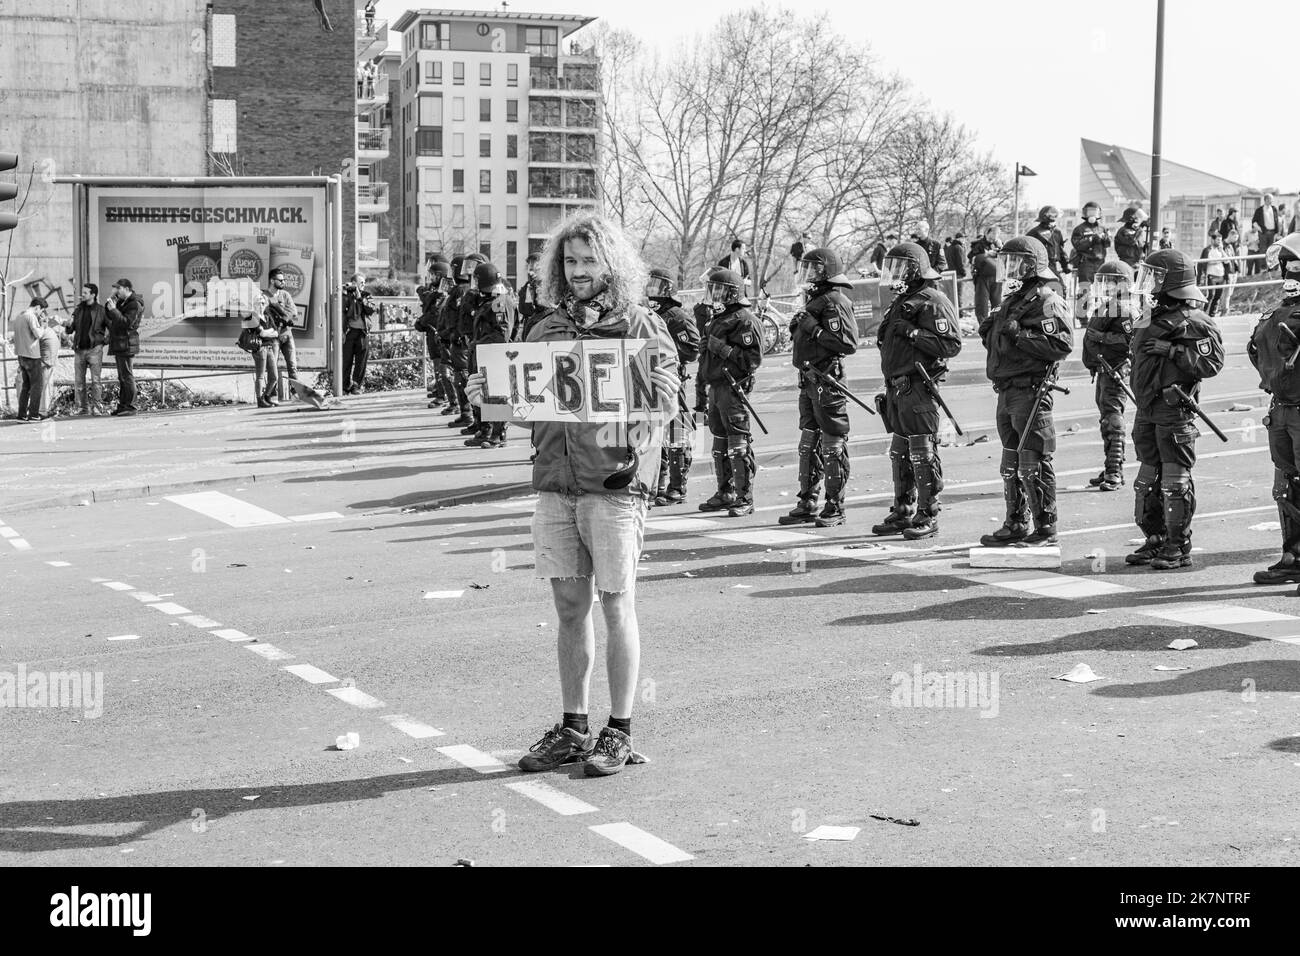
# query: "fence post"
162,387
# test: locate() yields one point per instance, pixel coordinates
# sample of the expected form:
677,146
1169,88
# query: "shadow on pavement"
1129,637
1268,677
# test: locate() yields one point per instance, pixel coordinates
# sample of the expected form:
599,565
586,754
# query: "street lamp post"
1156,123
1021,170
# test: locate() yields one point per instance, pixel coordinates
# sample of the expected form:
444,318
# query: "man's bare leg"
575,642
622,650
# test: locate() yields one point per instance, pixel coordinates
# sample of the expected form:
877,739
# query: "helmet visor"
811,271
657,287
1016,266
720,293
1149,279
897,269
1110,285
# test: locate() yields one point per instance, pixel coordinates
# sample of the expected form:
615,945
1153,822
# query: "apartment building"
498,124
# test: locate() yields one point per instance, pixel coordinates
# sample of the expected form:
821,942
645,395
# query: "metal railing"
372,194
375,140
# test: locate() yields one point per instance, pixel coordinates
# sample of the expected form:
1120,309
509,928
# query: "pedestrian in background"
984,267
1215,223
51,340
1045,231
125,309
1229,224
878,251
283,312
735,260
954,252
1254,263
931,246
357,310
1268,220
27,347
88,328
1166,239
1212,274
798,247
261,334
1088,245
589,522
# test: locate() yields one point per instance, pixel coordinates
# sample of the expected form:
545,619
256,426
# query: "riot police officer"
676,457
1045,231
1273,348
734,346
1177,347
435,296
457,349
1088,244
703,315
823,333
1028,335
494,322
920,325
1108,336
1129,240
464,308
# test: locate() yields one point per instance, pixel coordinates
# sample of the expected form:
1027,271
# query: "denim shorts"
581,536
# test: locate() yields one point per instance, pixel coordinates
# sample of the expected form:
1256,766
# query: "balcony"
373,257
372,143
372,198
372,38
372,91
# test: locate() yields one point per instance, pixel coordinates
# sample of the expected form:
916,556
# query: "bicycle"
774,323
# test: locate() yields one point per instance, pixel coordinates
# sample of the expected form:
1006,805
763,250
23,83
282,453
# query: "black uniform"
919,326
1269,349
494,321
1164,431
457,346
1028,335
1128,243
444,383
1108,336
1088,245
703,316
734,344
1051,237
822,334
676,456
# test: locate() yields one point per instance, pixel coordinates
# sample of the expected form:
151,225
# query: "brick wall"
294,87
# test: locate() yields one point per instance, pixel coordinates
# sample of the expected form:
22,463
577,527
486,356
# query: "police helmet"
1168,273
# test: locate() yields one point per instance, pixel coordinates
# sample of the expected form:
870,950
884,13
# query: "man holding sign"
592,477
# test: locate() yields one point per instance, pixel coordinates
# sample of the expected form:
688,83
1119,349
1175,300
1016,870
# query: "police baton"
934,392
1290,362
744,400
1048,384
808,367
1186,399
1117,379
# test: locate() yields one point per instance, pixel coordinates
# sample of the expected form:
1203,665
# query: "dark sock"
576,722
623,724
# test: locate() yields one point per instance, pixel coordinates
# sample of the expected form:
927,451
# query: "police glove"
719,348
1161,347
901,384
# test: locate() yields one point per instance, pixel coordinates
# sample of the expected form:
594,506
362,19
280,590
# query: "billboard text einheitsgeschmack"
197,255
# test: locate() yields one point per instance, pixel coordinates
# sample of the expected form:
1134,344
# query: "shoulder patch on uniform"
833,325
941,325
1048,326
1204,346
683,336
747,338
1127,325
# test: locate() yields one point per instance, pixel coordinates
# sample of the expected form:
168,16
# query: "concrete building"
499,122
373,144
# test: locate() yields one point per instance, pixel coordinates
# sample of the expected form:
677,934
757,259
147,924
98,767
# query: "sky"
1031,79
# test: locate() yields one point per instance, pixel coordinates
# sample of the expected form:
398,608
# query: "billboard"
197,255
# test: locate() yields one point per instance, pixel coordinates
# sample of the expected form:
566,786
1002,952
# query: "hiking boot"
449,409
674,497
1096,482
612,751
1145,553
1111,482
1285,571
558,746
491,442
832,516
802,512
460,421
896,522
720,501
922,526
1012,532
662,501
1042,534
739,510
1170,559
471,429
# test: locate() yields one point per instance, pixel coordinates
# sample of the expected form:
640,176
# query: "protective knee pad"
808,440
1284,486
1148,503
835,454
920,447
1180,503
1112,424
898,446
1010,463
719,445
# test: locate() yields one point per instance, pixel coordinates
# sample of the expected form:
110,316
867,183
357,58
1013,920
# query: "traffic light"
8,220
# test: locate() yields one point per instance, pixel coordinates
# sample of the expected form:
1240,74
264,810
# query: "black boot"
801,513
811,469
835,455
1146,551
1016,526
742,474
928,471
904,509
725,496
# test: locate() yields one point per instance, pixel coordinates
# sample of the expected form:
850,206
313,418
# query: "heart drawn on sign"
512,355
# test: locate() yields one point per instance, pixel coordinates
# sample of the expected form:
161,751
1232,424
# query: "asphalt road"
232,655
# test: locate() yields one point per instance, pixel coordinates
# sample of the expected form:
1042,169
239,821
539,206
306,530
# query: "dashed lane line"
472,757
414,729
641,843
551,798
311,674
269,651
227,509
355,697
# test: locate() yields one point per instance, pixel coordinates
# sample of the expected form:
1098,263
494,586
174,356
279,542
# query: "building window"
458,74
512,111
512,257
512,74
541,41
433,72
428,142
458,180
224,116
485,111
485,145
512,180
458,109
544,147
512,217
406,78
579,148
458,144
485,180
581,113
223,39
544,182
544,112
433,215
431,176
485,216
430,109
512,146
485,74
458,217
435,36
485,248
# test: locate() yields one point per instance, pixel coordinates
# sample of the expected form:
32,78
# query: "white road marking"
1062,586
59,564
355,697
269,651
1214,615
7,532
552,799
641,843
198,620
125,637
232,635
145,597
20,544
311,674
117,586
529,501
681,524
443,595
412,728
167,607
320,516
475,759
769,537
227,509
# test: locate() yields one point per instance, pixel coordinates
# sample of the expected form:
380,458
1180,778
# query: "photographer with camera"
357,310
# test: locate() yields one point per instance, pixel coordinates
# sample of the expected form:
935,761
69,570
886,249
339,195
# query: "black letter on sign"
568,387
